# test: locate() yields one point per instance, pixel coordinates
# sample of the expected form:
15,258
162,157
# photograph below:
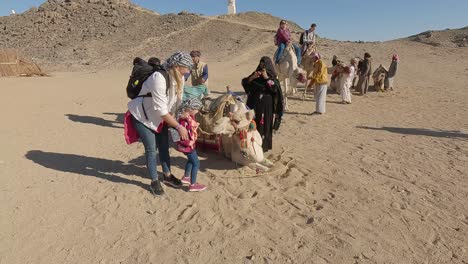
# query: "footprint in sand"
188,214
248,194
329,198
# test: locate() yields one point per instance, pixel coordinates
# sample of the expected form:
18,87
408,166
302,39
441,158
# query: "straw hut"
12,65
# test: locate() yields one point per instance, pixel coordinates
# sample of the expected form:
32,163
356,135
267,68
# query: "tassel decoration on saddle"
253,146
243,139
252,126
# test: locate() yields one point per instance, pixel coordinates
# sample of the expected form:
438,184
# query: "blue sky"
337,19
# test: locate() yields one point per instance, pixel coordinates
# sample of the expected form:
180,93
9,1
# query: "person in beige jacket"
199,72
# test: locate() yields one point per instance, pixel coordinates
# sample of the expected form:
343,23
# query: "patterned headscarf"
180,58
395,57
192,103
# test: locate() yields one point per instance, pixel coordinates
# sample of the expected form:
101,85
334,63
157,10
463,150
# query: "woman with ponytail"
152,115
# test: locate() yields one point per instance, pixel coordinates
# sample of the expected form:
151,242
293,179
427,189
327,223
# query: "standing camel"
288,73
308,65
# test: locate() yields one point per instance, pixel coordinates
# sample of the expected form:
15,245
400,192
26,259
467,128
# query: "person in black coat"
264,96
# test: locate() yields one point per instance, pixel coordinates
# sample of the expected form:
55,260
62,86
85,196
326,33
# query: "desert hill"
443,38
73,35
70,35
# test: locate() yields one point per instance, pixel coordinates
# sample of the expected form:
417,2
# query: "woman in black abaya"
265,97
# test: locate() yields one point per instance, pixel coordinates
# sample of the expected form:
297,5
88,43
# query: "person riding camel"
283,39
308,39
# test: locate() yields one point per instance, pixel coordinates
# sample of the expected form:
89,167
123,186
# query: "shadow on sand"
116,123
88,166
420,132
108,169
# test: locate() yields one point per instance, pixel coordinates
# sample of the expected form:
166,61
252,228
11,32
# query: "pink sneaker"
196,187
185,180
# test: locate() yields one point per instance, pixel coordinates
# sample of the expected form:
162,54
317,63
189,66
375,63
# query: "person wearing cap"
388,83
283,39
199,72
308,39
319,79
152,115
365,70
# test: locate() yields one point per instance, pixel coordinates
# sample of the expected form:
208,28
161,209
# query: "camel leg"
305,89
285,95
293,88
266,163
258,166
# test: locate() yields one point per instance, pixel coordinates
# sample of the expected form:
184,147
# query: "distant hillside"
103,34
75,34
260,20
444,38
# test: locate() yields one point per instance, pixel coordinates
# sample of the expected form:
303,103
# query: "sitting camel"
241,142
289,73
379,77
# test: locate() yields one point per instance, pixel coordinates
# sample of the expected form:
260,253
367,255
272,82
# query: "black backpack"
301,38
140,73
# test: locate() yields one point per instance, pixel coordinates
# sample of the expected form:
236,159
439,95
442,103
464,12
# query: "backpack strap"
164,73
143,103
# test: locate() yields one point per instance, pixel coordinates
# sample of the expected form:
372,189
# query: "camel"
308,65
289,73
241,142
379,76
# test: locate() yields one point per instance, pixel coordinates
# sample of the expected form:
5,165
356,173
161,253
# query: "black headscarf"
268,65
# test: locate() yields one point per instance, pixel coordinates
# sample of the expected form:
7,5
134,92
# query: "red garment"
188,145
160,127
283,36
130,132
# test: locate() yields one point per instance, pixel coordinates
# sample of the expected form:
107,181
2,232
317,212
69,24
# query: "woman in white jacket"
152,115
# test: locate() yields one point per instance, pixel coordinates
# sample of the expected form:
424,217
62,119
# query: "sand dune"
383,180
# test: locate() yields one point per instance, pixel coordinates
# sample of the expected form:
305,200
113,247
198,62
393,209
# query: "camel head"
223,126
300,75
239,117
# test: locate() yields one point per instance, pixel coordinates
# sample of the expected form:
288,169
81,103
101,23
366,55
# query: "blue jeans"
152,140
192,166
281,48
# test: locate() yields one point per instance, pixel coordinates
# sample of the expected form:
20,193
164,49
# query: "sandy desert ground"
383,180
